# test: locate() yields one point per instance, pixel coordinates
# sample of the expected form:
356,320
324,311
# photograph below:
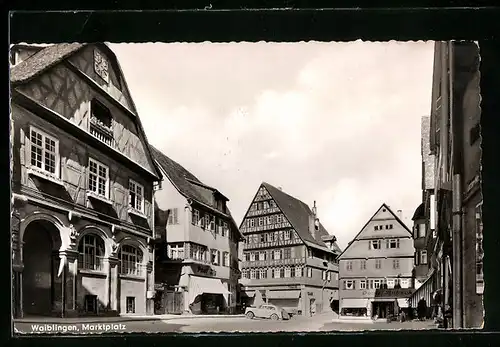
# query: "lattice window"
91,253
130,260
136,195
98,178
44,152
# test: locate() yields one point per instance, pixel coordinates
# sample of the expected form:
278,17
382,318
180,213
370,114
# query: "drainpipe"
456,123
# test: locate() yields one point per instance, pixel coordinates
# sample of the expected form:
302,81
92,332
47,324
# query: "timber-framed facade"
82,181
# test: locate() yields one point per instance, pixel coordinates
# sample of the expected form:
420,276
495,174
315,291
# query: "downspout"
456,121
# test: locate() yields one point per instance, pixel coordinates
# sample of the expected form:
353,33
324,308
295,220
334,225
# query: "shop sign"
368,293
203,270
394,293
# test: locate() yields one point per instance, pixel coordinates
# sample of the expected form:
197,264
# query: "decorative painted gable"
98,63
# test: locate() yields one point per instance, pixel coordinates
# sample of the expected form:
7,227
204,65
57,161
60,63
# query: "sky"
335,123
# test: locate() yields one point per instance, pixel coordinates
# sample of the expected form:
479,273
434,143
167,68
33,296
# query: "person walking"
422,309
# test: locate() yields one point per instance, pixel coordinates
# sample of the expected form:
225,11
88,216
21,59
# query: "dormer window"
100,122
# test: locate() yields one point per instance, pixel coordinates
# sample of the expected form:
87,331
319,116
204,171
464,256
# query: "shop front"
354,307
389,302
286,299
203,293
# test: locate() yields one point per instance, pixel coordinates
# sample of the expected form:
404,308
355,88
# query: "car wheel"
250,315
274,316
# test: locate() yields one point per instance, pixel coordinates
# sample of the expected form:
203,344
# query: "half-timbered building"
197,269
289,259
82,181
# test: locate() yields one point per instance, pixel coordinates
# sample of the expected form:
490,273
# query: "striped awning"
403,303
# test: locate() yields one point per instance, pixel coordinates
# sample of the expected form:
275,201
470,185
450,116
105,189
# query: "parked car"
267,311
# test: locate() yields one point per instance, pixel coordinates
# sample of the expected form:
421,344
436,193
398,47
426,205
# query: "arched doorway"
41,260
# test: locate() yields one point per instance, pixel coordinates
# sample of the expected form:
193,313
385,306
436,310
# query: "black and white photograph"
245,187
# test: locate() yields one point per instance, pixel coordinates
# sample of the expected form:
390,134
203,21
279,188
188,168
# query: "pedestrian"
422,309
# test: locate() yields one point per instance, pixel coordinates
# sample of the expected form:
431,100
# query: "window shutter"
369,245
387,243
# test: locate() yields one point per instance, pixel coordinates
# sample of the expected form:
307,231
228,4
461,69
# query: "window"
262,255
362,284
287,272
479,249
176,251
423,257
130,304
390,283
131,260
253,274
195,217
405,283
309,272
173,217
348,265
421,230
44,152
261,221
273,273
198,252
252,223
263,273
91,253
286,234
90,303
349,284
376,284
247,256
324,275
393,243
287,253
225,229
211,225
98,178
277,254
363,264
395,263
225,259
100,122
279,218
282,272
375,227
374,244
292,272
378,263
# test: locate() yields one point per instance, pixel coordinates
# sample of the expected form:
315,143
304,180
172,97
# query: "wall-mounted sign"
394,293
368,293
205,270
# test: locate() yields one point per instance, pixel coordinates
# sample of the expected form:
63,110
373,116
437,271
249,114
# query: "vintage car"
267,311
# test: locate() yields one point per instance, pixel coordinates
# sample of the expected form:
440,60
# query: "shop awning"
283,294
354,303
403,303
205,285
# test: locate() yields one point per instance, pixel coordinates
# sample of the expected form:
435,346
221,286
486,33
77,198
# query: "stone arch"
43,236
130,241
95,230
41,216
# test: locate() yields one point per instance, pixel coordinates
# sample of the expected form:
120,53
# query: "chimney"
280,188
400,214
314,222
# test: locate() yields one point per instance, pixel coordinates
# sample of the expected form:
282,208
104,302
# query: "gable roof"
298,213
384,205
188,184
52,55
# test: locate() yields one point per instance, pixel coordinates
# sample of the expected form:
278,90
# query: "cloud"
338,123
